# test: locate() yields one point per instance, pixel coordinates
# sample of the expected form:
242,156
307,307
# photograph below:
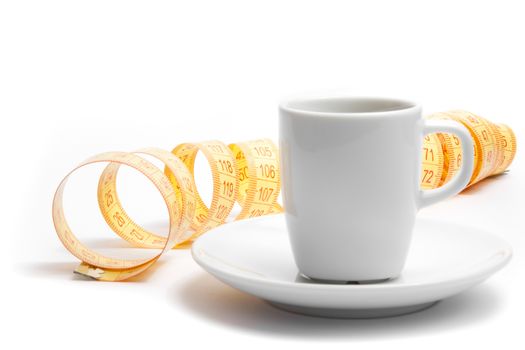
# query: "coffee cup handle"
462,178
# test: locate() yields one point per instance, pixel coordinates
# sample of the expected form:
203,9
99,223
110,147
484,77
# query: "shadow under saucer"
216,302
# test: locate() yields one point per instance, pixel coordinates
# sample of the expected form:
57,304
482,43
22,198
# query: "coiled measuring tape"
246,173
494,150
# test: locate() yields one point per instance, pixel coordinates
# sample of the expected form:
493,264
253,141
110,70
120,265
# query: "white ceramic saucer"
254,256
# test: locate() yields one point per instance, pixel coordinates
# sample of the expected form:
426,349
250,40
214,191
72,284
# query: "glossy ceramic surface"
350,177
254,256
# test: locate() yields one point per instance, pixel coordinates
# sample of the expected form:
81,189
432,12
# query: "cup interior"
346,105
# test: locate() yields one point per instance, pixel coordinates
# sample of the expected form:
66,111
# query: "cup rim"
400,105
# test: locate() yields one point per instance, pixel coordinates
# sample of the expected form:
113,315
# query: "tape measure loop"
258,165
225,183
97,265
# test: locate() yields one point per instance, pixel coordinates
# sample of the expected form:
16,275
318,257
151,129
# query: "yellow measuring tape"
494,150
246,173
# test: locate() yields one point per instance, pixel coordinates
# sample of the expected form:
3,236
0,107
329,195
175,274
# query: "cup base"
306,279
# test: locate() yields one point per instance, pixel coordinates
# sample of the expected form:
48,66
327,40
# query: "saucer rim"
488,267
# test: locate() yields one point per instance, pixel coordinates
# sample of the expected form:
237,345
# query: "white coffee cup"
351,182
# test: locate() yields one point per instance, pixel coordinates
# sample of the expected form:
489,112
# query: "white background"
82,77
